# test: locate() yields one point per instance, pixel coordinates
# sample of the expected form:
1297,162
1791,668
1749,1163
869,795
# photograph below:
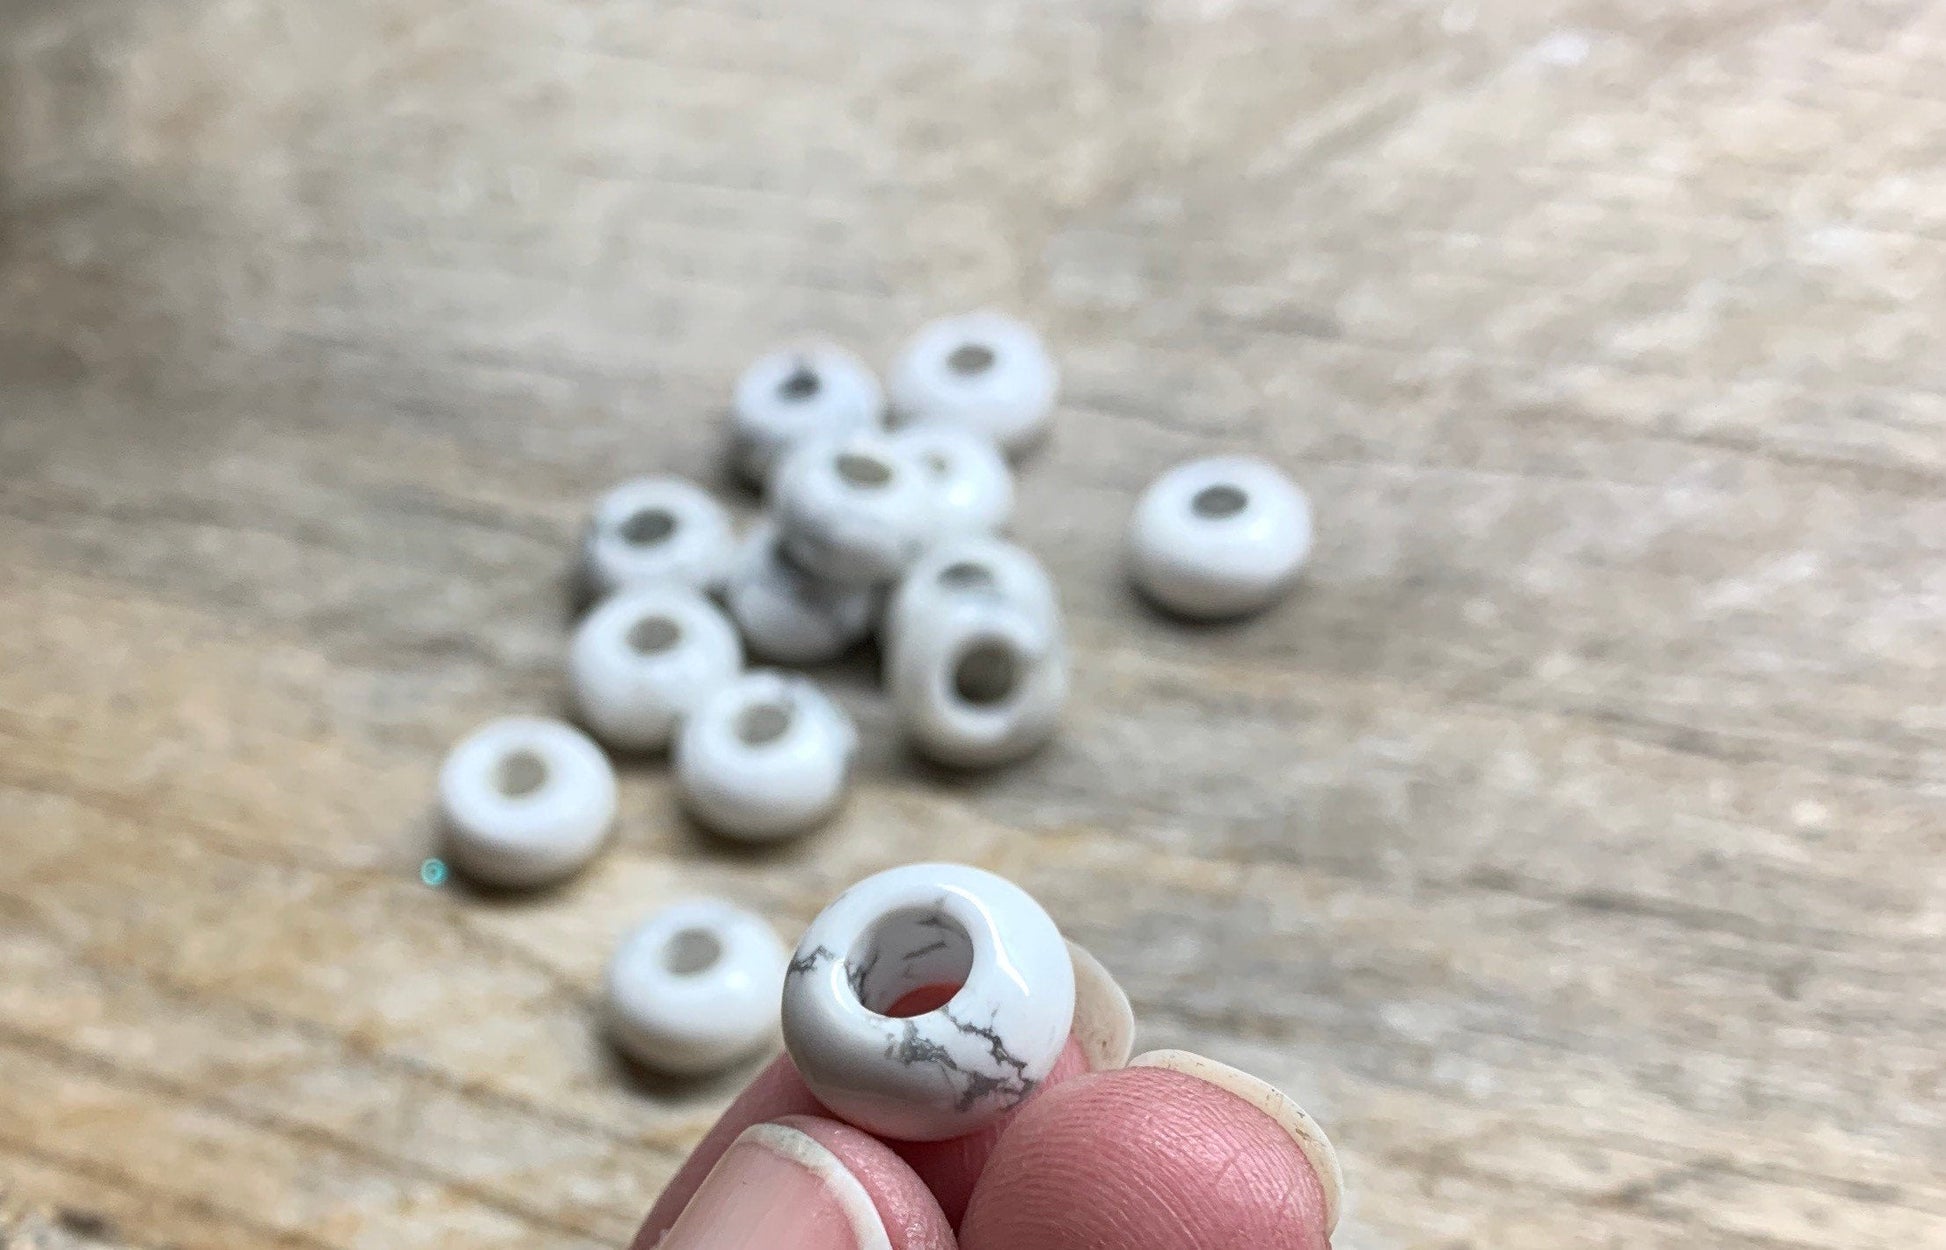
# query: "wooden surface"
1571,845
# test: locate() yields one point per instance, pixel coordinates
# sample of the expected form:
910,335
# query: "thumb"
811,1184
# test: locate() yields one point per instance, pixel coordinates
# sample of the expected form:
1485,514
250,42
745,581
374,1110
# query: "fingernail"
776,1187
1274,1103
1104,1023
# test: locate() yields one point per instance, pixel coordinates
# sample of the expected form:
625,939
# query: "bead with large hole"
1219,537
978,682
642,659
525,801
984,371
652,530
694,988
766,757
976,943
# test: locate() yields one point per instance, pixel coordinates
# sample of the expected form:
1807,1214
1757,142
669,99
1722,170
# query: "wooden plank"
1570,844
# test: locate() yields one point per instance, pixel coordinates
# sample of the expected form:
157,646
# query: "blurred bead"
695,987
976,568
787,616
656,529
973,490
946,1072
525,801
985,371
813,390
766,757
854,511
977,682
643,658
1219,537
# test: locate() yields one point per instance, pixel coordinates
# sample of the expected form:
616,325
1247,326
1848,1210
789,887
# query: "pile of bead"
884,509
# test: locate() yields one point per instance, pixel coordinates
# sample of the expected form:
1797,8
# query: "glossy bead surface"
787,616
766,757
695,987
643,658
806,391
979,568
977,682
973,489
525,801
985,371
951,1070
656,529
1220,537
854,511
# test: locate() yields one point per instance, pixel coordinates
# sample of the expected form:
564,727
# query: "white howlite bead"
1220,537
945,1072
787,616
695,987
643,658
656,529
764,758
807,391
983,568
525,801
977,682
986,371
855,510
973,489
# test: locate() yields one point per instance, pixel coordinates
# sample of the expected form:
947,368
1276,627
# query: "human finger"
1174,1152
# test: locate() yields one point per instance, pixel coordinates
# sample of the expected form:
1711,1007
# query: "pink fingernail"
776,1187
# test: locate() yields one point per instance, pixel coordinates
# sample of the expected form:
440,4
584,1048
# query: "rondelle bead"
525,801
643,658
695,987
656,529
787,616
855,510
972,568
950,1070
973,489
985,371
977,682
765,757
1219,537
811,390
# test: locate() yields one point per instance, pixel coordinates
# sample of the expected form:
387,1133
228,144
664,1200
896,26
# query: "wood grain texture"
1571,845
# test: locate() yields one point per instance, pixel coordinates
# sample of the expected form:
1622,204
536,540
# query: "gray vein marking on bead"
857,974
911,1048
940,945
804,963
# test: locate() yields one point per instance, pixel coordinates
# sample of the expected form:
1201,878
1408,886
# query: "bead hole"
692,951
801,385
862,471
520,774
912,949
988,672
966,575
653,635
1217,502
970,359
648,526
761,724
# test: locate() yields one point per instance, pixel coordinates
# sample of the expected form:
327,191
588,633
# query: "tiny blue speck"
433,872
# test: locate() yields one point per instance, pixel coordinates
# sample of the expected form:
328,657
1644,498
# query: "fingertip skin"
777,1092
1145,1159
912,1219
